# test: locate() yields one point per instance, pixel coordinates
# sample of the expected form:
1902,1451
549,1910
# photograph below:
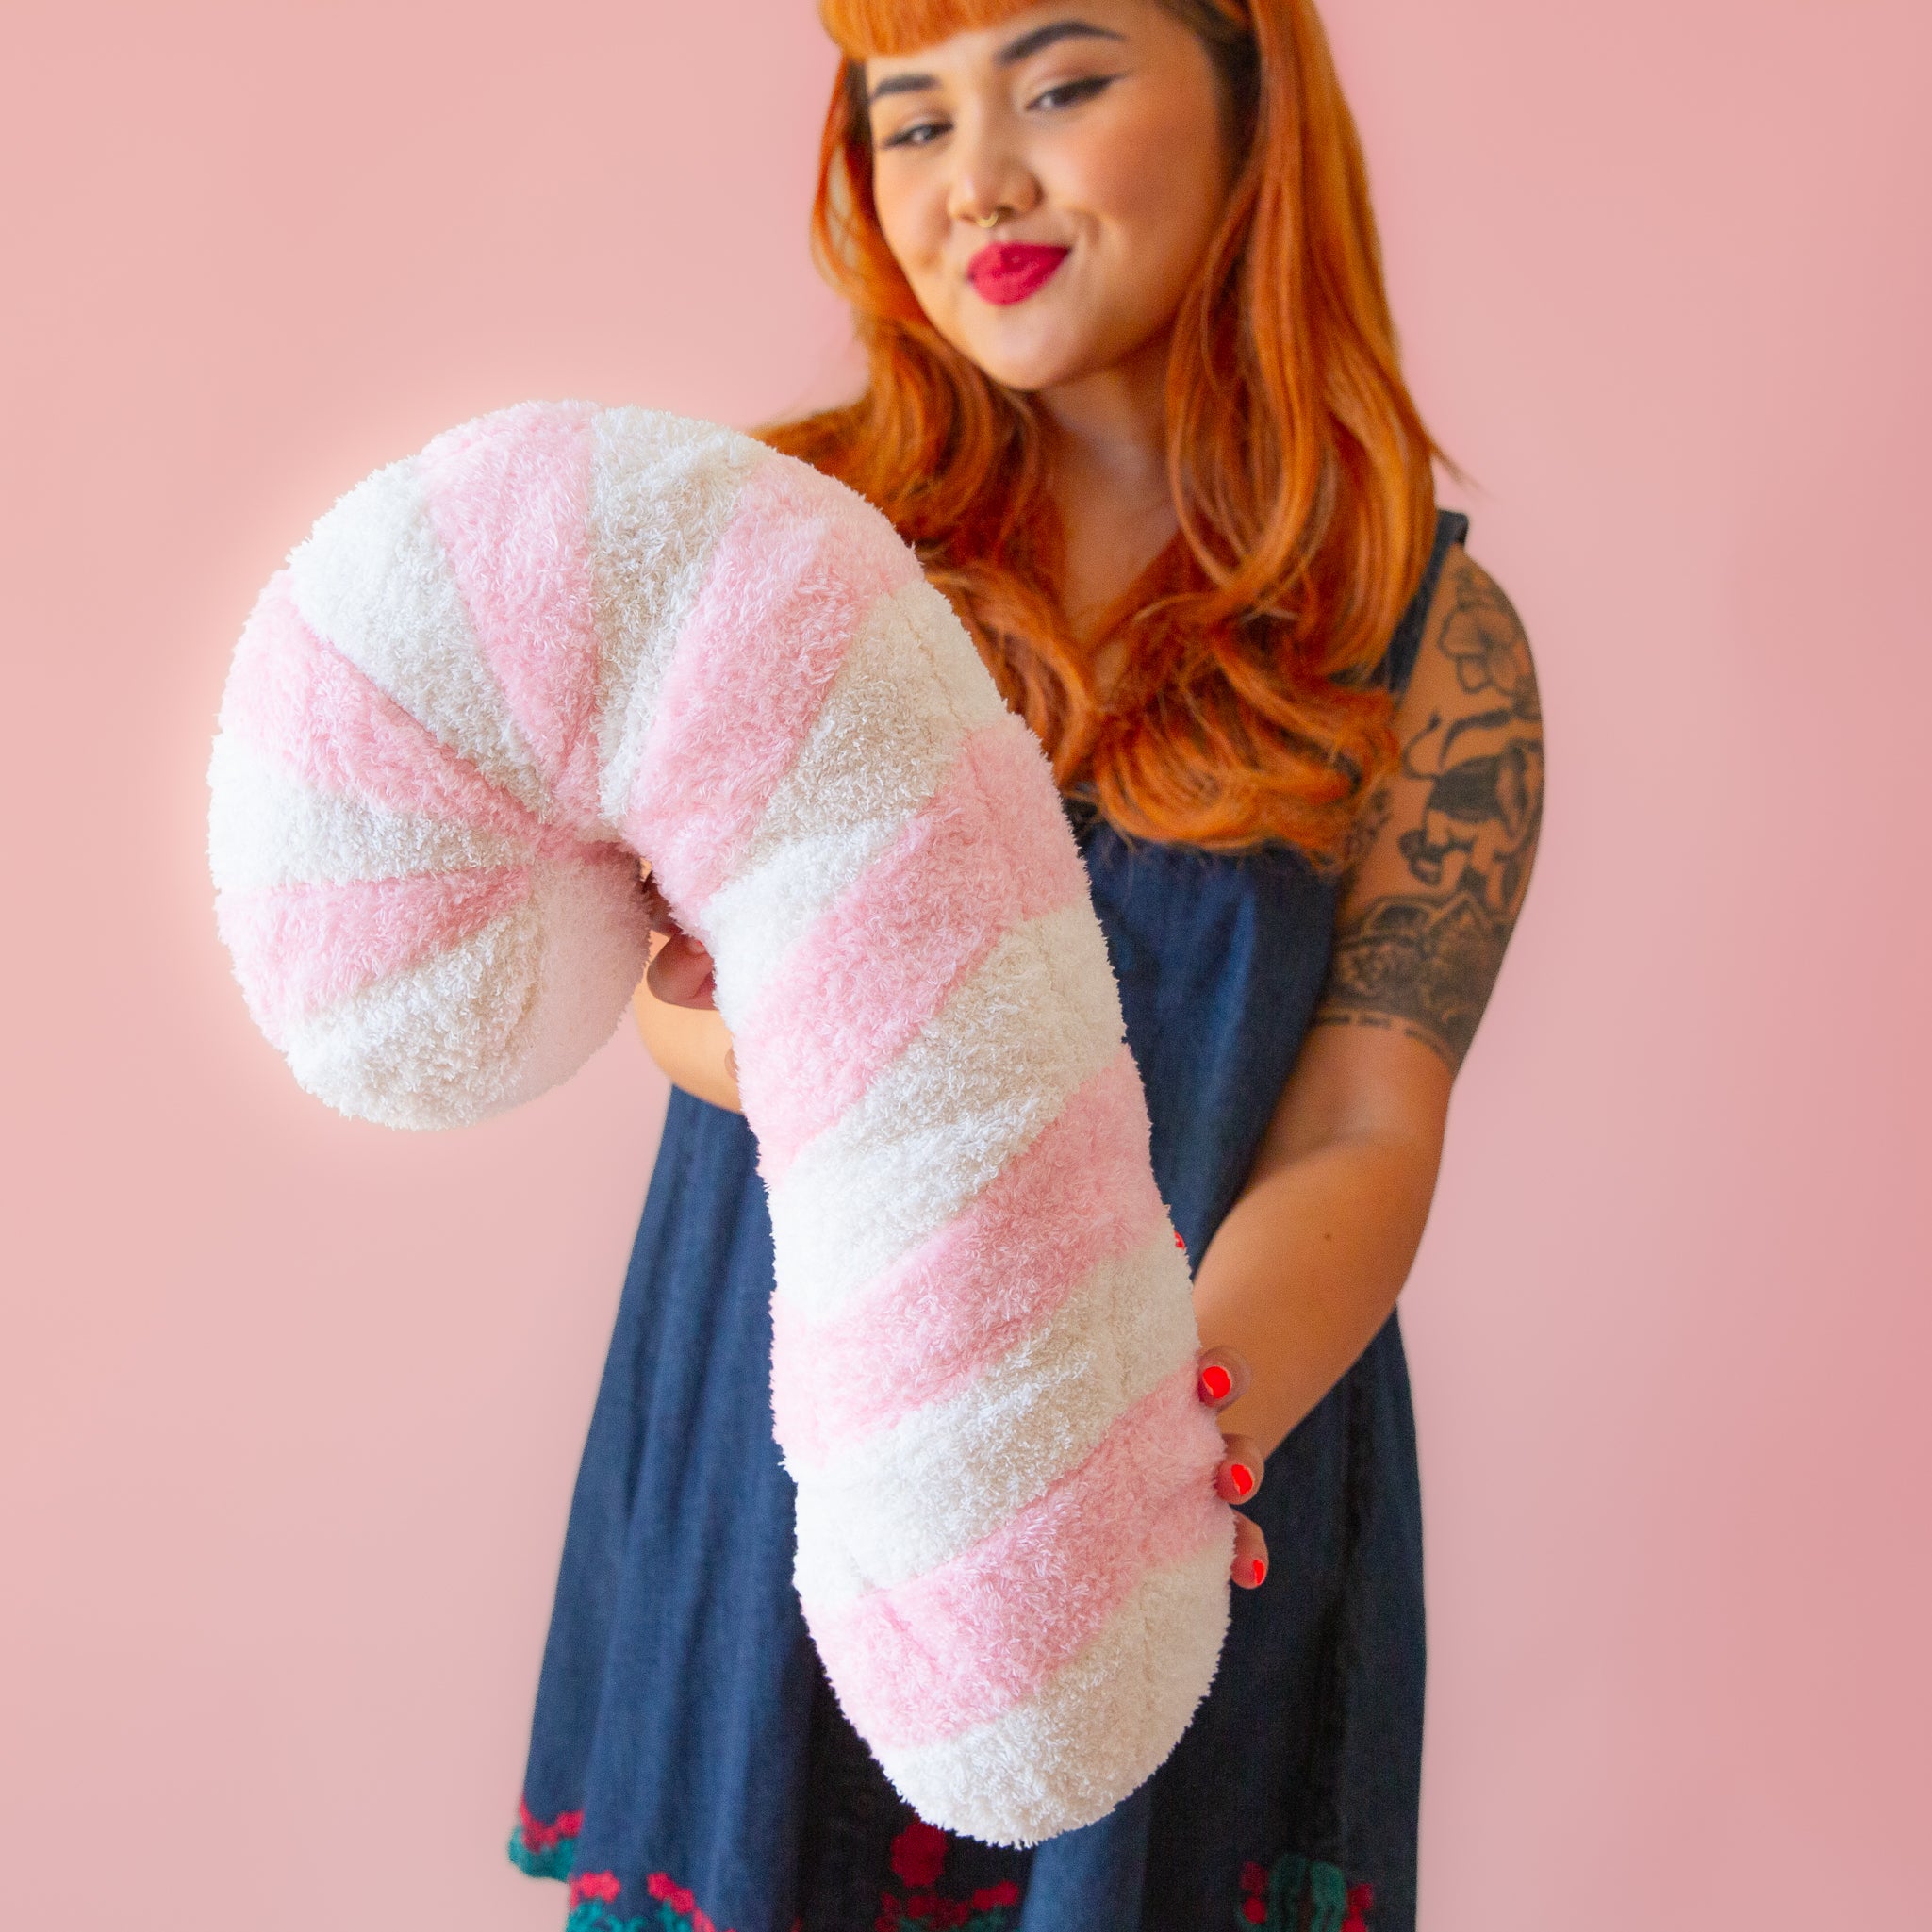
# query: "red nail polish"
1256,1571
1215,1383
1239,1477
1178,1242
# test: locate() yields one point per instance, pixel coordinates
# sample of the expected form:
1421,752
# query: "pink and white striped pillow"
562,638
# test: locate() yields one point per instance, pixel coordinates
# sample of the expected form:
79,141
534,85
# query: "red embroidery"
918,1856
594,1896
660,1886
929,1908
540,1837
1298,1882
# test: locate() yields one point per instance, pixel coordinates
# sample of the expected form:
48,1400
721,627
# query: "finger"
1250,1554
1223,1377
1240,1476
680,973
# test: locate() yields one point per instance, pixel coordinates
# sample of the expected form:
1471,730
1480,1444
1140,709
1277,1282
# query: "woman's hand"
680,973
1223,1379
676,1013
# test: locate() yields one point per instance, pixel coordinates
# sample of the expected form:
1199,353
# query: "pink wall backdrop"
289,1407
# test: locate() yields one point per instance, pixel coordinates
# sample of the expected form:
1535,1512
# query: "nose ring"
993,220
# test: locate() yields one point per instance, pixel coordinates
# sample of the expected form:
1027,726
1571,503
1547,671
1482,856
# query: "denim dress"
689,1770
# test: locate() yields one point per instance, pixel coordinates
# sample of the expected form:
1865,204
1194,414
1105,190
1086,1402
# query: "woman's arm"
1307,1266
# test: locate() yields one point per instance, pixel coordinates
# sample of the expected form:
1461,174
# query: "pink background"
289,1407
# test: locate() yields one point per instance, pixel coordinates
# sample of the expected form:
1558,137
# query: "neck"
1113,424
1109,442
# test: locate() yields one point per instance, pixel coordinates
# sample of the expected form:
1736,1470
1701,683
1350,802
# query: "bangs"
865,27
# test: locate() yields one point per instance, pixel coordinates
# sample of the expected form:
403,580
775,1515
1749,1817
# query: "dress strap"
1398,661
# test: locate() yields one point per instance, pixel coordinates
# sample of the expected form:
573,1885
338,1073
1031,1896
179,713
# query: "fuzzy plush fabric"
561,639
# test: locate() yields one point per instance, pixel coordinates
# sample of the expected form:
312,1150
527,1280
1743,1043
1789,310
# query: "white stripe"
911,1497
1096,1732
373,581
266,827
662,491
989,1072
909,689
596,943
431,1047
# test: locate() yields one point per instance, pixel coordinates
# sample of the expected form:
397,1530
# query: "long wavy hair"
1248,707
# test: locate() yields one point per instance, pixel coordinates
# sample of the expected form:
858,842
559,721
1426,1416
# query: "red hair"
1248,707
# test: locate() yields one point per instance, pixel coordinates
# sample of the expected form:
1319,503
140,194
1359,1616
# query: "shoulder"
1446,842
1474,651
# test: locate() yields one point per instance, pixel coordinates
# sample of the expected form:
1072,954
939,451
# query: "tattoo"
1428,958
1378,1022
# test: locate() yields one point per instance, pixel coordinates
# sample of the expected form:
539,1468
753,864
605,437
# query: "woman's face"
1093,131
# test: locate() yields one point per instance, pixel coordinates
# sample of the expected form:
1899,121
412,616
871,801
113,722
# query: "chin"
1029,366
1027,378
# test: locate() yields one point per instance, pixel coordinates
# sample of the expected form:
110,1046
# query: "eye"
919,135
1070,93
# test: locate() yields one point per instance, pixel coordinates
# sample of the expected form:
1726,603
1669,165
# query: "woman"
1135,398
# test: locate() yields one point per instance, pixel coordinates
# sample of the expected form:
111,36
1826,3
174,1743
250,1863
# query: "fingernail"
1215,1383
1240,1478
1256,1571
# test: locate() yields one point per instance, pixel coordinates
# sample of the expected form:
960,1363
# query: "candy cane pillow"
564,640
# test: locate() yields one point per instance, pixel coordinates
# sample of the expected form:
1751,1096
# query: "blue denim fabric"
681,1709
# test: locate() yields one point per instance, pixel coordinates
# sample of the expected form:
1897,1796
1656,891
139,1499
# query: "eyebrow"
1009,56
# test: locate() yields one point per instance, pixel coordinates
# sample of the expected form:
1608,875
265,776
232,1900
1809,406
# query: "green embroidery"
1328,1891
1302,1895
555,1862
661,1915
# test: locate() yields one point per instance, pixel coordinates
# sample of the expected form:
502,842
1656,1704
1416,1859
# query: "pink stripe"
303,704
883,959
299,949
798,566
510,500
956,1648
1082,1194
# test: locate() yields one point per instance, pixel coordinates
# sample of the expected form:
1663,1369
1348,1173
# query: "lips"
1009,271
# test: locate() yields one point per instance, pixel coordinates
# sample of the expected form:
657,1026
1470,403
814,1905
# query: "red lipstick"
1008,272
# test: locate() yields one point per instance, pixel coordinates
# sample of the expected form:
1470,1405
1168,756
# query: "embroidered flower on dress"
1275,1899
919,1859
543,1848
594,1897
918,1854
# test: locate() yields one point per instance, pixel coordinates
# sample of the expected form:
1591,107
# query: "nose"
990,178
